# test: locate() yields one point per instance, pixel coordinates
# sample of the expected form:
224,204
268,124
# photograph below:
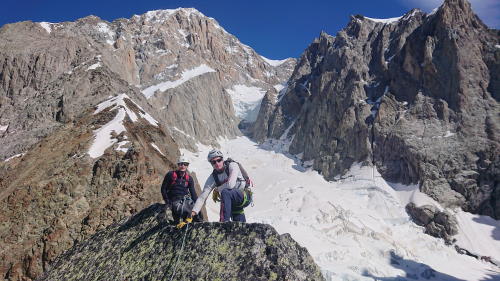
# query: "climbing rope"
179,255
180,225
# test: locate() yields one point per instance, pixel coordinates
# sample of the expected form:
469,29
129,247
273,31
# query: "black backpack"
247,191
244,173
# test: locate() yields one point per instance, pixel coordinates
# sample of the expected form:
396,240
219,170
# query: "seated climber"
178,191
231,183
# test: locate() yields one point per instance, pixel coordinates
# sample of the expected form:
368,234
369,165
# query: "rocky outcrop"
416,96
146,246
437,223
260,129
60,192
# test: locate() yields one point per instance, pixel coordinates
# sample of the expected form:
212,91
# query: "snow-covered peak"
433,11
108,33
46,26
161,15
191,11
384,21
407,16
412,13
274,62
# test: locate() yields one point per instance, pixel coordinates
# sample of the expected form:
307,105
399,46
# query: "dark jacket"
172,191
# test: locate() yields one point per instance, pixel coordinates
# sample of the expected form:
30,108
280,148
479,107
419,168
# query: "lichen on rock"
147,247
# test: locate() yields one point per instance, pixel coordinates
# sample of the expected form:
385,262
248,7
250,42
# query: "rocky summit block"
147,247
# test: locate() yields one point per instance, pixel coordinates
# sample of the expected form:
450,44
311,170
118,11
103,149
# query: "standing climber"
178,191
230,182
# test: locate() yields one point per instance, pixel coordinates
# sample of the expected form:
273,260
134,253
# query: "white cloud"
487,10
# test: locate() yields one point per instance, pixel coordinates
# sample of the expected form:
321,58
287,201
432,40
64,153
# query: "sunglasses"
183,164
216,161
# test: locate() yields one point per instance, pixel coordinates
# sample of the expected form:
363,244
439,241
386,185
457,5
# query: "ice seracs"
355,228
246,101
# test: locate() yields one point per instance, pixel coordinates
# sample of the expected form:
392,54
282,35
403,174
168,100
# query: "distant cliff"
417,96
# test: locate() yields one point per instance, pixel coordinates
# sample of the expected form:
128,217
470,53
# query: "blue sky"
275,29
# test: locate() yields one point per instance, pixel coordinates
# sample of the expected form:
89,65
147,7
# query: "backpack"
175,176
244,173
247,191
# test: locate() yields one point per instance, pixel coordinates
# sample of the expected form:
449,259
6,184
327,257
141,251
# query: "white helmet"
213,154
182,159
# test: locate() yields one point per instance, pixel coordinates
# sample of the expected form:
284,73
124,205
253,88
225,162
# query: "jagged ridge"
416,96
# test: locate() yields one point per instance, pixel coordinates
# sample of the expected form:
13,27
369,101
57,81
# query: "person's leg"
187,207
239,217
237,200
175,214
221,212
226,200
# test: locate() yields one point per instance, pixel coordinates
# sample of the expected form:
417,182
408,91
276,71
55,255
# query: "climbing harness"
179,205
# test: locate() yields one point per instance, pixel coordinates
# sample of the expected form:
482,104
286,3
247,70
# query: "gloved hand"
183,223
216,196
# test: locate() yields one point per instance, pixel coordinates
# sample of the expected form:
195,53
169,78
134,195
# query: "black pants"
181,209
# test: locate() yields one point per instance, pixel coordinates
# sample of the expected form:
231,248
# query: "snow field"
355,229
185,76
246,101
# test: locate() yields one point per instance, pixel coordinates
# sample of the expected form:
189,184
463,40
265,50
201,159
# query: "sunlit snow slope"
356,229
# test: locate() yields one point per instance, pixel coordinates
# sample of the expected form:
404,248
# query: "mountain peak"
458,12
161,15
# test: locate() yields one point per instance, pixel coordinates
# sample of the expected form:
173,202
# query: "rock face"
146,247
56,194
181,60
94,114
438,224
417,97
